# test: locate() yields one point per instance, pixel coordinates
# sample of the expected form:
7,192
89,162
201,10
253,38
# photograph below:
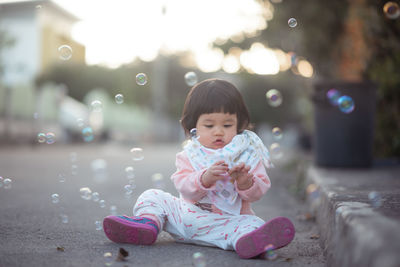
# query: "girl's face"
215,130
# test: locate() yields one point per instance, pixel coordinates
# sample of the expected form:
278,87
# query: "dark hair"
214,95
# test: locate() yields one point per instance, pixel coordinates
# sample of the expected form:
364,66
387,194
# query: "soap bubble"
41,137
292,22
99,225
391,10
73,156
191,78
141,79
64,218
95,196
119,98
158,180
96,105
7,183
50,138
375,199
312,192
277,133
61,177
87,134
199,260
55,198
65,52
86,193
274,97
270,253
108,259
80,122
346,104
113,210
102,203
333,96
129,172
137,153
193,132
128,190
74,169
276,151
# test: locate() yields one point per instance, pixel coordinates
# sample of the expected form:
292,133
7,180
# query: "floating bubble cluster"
274,98
391,10
199,260
346,104
191,78
137,153
343,102
119,98
141,79
65,52
292,22
48,138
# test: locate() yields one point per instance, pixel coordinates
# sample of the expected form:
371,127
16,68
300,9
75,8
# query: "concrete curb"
352,231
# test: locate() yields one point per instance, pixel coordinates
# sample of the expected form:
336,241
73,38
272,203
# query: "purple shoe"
133,230
278,232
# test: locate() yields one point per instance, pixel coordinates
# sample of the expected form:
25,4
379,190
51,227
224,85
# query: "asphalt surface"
33,234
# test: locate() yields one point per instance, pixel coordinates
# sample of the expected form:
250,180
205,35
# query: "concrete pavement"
31,228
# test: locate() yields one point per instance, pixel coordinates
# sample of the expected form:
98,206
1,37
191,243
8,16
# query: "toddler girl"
220,171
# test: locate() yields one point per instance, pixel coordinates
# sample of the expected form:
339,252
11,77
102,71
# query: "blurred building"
38,28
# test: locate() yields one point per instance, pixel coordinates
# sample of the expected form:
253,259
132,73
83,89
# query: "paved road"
31,228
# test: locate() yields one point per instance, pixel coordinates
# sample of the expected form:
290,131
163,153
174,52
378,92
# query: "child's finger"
220,162
247,168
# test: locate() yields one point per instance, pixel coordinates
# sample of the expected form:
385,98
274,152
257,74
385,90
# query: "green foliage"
383,68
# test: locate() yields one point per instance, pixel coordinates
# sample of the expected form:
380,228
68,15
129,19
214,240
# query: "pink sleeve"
261,184
187,180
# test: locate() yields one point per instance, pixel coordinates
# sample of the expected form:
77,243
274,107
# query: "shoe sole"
278,232
122,231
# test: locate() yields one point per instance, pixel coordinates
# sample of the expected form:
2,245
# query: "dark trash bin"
340,139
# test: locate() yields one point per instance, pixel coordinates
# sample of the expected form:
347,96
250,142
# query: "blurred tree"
5,41
347,40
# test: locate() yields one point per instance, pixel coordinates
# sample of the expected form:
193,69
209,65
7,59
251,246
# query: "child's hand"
217,171
240,173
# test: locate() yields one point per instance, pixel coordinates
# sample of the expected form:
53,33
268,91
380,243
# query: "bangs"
214,96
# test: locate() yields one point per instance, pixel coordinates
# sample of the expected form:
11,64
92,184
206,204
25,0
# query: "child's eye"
208,126
227,125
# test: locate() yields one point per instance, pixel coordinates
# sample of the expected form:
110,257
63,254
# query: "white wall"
22,61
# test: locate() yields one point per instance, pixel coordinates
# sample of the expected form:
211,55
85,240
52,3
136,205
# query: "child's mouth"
218,142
